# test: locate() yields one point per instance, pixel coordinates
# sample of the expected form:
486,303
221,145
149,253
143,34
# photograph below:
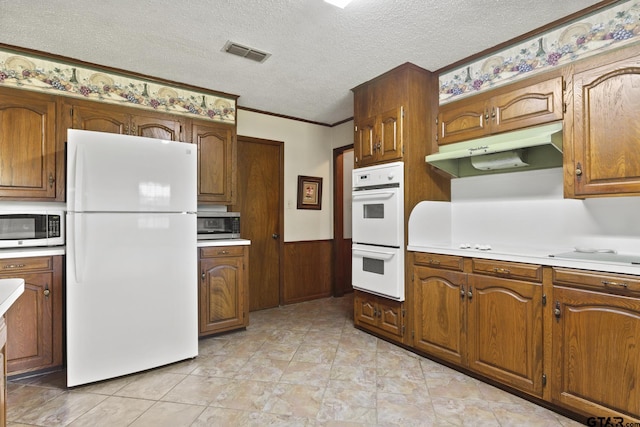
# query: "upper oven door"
377,216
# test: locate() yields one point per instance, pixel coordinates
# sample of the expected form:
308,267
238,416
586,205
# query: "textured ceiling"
319,52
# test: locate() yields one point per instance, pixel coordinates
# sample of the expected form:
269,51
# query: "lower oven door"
378,270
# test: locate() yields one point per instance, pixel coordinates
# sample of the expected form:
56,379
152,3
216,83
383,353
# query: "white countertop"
531,256
223,242
10,290
31,252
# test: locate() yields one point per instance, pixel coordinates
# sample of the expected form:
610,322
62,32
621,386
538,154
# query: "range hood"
534,148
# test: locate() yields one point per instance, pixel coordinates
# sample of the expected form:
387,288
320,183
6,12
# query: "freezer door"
131,293
122,173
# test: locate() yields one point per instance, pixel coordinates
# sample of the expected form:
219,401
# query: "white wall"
308,150
528,209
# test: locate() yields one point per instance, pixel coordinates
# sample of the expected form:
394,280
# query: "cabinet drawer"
603,282
10,265
449,262
512,270
216,251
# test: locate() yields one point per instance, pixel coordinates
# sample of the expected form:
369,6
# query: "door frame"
280,145
338,221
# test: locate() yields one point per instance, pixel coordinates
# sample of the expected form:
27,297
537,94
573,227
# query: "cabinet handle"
51,180
434,261
134,129
608,283
556,310
13,266
493,114
46,291
486,116
470,293
499,270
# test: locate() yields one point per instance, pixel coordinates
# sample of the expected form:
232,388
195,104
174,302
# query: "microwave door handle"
370,195
377,254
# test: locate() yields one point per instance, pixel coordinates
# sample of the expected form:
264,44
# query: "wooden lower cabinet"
379,315
596,347
3,376
489,324
223,293
505,331
34,321
440,313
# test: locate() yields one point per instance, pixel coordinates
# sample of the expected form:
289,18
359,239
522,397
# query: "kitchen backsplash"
527,210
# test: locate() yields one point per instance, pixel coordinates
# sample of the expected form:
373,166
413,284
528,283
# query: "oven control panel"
377,175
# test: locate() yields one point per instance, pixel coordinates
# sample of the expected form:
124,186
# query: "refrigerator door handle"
78,178
76,249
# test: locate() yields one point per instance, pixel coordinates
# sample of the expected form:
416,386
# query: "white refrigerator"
131,261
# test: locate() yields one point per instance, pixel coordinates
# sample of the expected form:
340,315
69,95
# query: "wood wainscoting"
308,270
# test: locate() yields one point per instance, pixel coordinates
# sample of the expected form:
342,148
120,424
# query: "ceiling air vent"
245,52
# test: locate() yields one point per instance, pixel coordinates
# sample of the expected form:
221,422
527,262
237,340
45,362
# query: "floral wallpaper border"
44,75
610,28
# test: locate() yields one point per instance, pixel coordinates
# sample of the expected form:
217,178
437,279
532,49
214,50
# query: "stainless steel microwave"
31,228
218,225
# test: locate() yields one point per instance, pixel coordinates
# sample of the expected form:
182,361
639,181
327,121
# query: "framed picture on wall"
309,192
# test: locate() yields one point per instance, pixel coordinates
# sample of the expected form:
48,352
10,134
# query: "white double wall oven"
378,230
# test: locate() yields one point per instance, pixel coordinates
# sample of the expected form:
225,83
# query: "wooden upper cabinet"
379,138
606,131
109,118
216,162
513,107
28,167
157,127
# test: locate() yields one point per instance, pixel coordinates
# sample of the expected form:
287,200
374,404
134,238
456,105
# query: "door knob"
275,235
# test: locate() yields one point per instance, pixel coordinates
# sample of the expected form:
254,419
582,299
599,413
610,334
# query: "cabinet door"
27,145
596,353
30,325
606,131
391,317
462,120
505,331
216,155
390,126
365,142
439,307
529,106
221,294
365,310
97,117
157,127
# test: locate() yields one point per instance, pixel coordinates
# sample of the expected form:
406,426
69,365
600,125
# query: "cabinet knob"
202,275
578,170
275,236
46,292
51,180
462,291
470,292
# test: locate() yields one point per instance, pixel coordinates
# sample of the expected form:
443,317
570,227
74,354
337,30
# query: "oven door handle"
373,195
378,254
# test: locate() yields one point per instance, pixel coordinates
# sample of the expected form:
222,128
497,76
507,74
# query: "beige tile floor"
298,365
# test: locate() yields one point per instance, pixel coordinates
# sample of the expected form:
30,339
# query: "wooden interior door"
343,161
260,183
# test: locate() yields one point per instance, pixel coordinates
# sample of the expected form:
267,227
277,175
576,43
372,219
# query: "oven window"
373,265
374,211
